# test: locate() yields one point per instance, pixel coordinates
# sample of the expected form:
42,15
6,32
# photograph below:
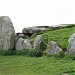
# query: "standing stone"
19,44
27,44
37,41
53,48
71,45
7,33
23,44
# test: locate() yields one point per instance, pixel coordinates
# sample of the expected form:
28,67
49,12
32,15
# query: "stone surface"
37,41
23,44
71,45
7,33
53,48
27,44
30,30
19,44
21,36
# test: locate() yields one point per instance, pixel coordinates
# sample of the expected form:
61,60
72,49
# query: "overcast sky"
26,13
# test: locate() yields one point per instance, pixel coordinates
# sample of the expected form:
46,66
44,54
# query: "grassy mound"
61,36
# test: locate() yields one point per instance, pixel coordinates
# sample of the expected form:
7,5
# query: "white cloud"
24,13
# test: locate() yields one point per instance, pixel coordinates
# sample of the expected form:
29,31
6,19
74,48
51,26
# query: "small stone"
37,41
53,48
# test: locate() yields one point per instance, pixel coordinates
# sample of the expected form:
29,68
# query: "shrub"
73,57
7,52
44,42
70,56
43,46
35,53
32,53
46,54
22,52
69,25
15,52
60,55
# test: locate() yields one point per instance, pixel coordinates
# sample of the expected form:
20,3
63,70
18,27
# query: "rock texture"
37,41
21,36
27,44
7,33
23,44
30,30
19,44
53,48
34,29
71,45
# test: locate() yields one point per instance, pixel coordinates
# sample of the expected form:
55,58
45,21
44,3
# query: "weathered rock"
71,45
37,41
19,44
23,44
34,29
7,33
30,30
53,48
27,44
19,36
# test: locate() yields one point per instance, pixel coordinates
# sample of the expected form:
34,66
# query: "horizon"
27,13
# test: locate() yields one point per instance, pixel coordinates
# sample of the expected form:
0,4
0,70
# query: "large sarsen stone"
7,33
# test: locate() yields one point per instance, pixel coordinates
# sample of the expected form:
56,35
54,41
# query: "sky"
26,13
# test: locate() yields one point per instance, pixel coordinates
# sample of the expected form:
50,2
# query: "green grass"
22,65
61,36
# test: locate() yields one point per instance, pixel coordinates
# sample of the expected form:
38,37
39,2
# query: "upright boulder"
71,45
19,44
53,48
23,44
37,41
7,33
27,44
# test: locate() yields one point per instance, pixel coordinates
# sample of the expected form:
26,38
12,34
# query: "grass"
22,65
61,36
46,65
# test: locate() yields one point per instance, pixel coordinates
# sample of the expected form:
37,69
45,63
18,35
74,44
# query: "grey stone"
19,44
27,44
23,44
71,45
21,35
37,41
30,30
7,33
53,48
